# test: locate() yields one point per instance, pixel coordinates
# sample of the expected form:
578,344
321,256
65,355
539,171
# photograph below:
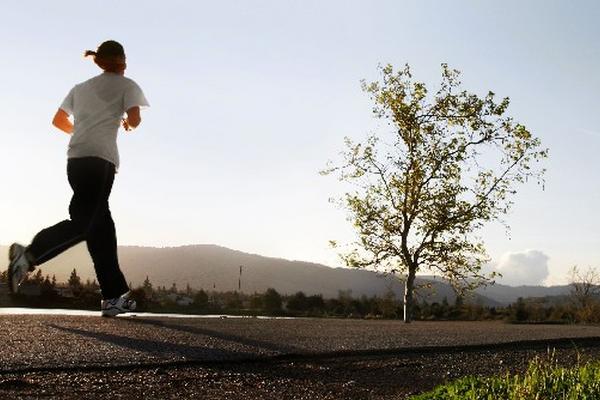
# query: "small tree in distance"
74,281
447,164
272,301
147,286
201,299
585,293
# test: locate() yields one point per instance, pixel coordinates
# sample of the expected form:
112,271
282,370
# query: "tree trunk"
409,287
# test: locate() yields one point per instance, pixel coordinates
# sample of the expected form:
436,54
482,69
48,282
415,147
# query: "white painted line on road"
87,313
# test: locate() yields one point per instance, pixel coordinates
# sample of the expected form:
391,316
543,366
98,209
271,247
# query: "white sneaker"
18,267
118,305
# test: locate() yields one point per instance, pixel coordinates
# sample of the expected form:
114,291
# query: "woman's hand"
132,120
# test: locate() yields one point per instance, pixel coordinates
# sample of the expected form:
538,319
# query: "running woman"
98,107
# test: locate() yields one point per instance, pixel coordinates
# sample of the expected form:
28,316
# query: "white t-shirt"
97,106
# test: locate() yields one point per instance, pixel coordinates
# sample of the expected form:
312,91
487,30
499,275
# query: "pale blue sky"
251,98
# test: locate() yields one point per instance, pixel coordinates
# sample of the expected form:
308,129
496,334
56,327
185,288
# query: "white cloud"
529,267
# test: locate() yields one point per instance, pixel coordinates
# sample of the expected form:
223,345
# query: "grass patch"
544,379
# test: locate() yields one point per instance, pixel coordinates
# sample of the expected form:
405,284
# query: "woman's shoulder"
129,81
123,81
91,81
106,79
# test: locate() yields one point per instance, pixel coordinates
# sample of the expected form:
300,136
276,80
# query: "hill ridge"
216,267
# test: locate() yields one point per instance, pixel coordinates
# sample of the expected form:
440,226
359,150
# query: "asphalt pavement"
44,342
75,354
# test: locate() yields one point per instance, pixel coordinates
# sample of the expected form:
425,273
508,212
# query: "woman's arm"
133,119
62,122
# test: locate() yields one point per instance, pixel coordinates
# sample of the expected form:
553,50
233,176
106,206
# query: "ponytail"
110,56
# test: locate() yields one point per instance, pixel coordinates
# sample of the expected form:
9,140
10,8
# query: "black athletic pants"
91,179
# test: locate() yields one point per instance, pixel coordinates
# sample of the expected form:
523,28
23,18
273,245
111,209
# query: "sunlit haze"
249,99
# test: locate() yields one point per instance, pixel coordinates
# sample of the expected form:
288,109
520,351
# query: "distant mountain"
509,294
212,267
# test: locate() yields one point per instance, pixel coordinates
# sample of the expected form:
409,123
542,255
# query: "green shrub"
543,380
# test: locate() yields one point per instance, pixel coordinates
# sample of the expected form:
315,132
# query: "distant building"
64,291
180,300
185,301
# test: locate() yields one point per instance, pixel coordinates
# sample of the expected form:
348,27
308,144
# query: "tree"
46,288
233,301
92,286
201,299
585,293
147,287
298,302
38,278
459,304
316,303
387,304
272,301
75,281
520,313
446,165
256,301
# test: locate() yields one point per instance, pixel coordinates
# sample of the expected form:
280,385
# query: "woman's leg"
99,228
52,241
102,245
91,180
